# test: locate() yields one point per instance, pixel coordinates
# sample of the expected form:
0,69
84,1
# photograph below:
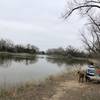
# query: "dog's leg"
79,79
86,78
82,79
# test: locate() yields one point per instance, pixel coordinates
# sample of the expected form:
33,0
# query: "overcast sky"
39,22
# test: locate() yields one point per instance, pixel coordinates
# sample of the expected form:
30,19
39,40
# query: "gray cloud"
38,22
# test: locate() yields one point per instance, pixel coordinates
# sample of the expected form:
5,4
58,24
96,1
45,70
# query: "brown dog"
81,76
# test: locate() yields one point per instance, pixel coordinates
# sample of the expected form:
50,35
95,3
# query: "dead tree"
86,7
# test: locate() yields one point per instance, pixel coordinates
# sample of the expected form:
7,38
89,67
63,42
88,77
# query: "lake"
15,71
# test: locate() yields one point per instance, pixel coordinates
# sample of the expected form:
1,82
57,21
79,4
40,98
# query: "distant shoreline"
18,55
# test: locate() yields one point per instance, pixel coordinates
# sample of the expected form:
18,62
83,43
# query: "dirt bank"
64,87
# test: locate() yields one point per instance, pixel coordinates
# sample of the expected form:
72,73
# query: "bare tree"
91,9
84,6
93,43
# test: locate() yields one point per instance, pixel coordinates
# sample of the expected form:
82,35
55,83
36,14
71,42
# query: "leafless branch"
83,6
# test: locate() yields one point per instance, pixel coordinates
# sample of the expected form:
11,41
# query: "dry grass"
30,91
66,85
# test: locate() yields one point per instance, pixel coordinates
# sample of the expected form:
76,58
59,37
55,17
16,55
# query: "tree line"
9,46
68,52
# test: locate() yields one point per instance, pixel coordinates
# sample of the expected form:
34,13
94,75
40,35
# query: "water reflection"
20,70
66,61
6,61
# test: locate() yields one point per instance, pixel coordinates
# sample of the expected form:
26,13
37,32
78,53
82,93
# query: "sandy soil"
64,87
73,90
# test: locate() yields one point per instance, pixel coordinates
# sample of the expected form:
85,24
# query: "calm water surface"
18,71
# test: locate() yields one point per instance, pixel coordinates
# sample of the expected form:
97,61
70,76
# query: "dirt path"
66,86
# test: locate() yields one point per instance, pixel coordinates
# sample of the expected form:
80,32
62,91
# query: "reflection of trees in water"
66,61
55,61
30,61
6,61
26,61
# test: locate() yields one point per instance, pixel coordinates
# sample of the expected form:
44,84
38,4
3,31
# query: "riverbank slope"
64,87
